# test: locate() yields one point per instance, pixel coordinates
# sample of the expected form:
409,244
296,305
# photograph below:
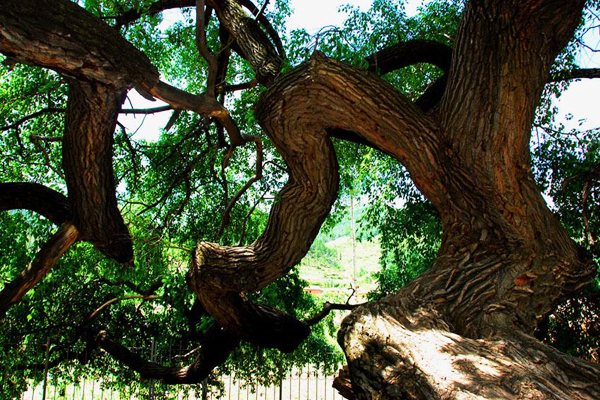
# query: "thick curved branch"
145,111
433,94
202,46
408,53
347,99
216,347
252,41
136,13
203,105
413,52
37,198
72,42
258,14
90,123
46,258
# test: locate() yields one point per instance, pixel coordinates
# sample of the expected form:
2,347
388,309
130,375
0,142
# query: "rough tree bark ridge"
462,330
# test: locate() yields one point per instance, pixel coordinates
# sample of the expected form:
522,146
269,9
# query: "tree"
464,327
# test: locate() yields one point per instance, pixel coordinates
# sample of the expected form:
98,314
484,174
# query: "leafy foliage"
174,192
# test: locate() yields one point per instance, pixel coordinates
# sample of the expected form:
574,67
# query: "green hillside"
329,264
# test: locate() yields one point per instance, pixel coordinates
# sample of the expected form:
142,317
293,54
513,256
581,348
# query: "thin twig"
145,110
257,176
47,138
117,299
211,81
243,234
327,307
236,87
49,164
19,122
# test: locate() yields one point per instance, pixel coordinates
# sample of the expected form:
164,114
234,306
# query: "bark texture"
254,45
60,35
462,330
91,118
50,252
505,261
402,348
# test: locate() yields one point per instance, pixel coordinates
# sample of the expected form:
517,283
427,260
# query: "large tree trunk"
463,329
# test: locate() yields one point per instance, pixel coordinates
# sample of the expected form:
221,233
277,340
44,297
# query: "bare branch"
412,52
115,300
46,258
133,287
172,120
144,110
253,43
576,73
262,10
47,138
327,308
248,215
19,122
216,347
203,49
258,14
257,176
134,14
37,198
239,86
49,164
203,105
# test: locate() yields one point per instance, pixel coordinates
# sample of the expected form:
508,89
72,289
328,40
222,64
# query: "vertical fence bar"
153,359
46,368
317,384
308,382
280,389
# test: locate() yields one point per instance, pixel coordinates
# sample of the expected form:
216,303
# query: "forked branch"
216,347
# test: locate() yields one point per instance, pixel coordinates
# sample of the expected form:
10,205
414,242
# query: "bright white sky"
580,100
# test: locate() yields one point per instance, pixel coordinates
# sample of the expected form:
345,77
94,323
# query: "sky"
580,100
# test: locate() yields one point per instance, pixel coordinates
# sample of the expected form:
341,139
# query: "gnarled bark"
252,41
401,348
219,274
505,261
46,258
60,35
91,119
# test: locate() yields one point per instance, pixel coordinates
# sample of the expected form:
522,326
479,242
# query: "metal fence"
307,383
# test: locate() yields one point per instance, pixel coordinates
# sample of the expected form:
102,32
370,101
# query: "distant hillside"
329,264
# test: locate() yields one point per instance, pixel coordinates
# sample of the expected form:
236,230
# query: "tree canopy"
117,248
